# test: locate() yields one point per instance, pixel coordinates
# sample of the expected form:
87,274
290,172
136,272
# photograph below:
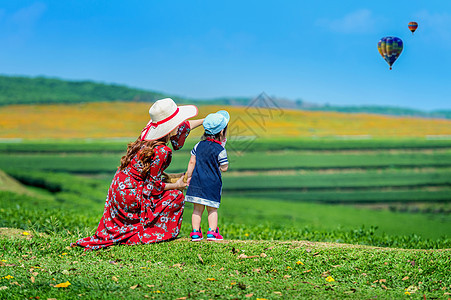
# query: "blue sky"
317,51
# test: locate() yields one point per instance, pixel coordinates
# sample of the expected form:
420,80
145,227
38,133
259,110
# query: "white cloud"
28,16
18,26
360,21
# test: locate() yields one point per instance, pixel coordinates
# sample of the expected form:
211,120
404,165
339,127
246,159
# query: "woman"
140,207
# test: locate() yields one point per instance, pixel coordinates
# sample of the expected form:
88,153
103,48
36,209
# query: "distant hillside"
27,90
382,110
36,90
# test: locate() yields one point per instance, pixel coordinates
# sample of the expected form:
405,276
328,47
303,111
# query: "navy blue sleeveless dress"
206,183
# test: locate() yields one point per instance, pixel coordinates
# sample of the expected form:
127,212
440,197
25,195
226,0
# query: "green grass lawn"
37,266
277,245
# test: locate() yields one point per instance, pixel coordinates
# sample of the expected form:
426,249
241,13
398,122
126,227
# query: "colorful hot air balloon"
390,48
413,26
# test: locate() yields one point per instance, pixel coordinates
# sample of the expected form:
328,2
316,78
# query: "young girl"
208,159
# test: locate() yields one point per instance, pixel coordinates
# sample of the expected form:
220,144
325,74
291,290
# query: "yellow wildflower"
63,284
329,279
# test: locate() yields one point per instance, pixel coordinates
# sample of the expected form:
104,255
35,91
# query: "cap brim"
185,112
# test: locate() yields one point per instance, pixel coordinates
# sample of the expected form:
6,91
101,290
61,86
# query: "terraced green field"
235,144
295,187
256,161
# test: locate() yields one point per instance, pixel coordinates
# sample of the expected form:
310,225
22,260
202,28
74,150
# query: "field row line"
369,188
359,151
285,172
240,153
245,172
344,168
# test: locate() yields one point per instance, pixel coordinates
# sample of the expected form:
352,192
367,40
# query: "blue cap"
216,122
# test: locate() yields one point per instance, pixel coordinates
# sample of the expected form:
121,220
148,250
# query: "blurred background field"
294,174
126,119
381,187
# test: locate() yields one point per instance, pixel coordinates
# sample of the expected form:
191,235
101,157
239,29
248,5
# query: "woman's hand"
181,184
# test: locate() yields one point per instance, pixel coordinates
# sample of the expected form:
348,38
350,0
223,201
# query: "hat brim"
185,112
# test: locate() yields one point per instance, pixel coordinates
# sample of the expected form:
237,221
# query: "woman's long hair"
145,149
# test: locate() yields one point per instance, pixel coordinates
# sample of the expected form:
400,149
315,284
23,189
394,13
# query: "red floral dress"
138,210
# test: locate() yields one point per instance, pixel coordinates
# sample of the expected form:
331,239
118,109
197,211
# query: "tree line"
35,90
44,90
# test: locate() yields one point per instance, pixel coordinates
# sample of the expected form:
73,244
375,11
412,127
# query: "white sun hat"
165,116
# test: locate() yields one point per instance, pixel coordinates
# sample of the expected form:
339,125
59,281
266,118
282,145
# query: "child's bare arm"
191,165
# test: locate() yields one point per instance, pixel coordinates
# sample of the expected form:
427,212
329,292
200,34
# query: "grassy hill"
37,90
43,90
228,270
266,254
27,90
7,183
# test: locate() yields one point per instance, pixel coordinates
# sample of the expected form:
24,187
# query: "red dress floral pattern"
138,210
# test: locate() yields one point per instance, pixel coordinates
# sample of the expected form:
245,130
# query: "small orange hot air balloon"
413,26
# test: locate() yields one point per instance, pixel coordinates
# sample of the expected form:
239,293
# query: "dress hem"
198,200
